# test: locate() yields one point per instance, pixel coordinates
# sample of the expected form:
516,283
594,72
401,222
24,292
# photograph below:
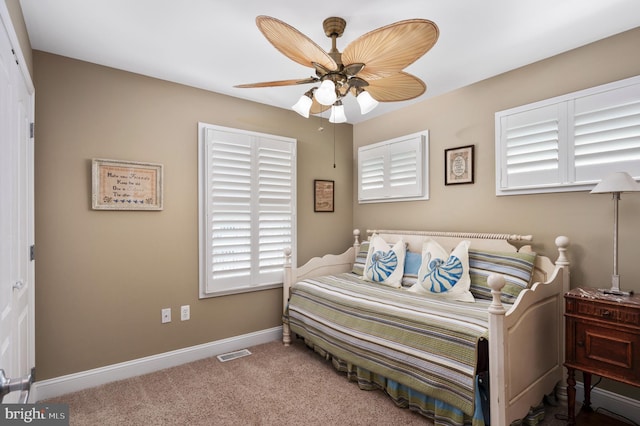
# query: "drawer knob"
606,314
580,343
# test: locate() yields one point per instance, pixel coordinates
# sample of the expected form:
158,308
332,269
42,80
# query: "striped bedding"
429,345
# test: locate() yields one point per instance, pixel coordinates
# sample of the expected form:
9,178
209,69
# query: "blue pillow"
412,263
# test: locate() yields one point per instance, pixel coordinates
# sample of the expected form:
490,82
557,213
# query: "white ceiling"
215,44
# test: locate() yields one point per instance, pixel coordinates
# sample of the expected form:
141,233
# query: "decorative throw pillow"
385,264
442,274
516,268
361,259
412,263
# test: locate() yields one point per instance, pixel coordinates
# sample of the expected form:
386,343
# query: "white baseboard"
57,386
613,402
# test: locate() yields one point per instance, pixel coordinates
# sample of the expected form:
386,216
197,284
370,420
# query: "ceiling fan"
370,67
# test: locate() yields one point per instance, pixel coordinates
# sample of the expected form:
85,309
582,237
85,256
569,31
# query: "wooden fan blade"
399,87
391,48
277,83
317,107
293,44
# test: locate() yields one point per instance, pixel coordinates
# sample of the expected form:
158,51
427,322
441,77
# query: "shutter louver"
533,148
373,173
404,166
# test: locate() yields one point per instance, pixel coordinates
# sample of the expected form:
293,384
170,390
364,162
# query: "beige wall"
103,276
466,117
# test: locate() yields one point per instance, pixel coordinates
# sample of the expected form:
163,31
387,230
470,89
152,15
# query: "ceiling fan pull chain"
334,145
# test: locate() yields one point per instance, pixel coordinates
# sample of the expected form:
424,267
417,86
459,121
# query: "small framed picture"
458,165
126,185
323,195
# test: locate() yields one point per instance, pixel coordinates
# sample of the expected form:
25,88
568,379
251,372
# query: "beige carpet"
273,386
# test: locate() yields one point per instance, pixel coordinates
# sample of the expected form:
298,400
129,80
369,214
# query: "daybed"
443,357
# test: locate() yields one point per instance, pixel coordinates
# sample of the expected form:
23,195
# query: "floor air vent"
233,355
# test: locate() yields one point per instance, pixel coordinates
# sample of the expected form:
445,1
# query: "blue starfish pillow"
385,263
444,274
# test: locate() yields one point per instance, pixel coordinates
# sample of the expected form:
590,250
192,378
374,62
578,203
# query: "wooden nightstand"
603,338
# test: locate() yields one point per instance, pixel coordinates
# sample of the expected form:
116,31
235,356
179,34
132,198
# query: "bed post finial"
356,244
562,243
496,282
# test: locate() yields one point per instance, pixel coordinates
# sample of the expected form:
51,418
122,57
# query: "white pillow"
442,274
385,264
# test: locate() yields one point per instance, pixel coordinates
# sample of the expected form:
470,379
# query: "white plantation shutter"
531,147
570,142
275,201
247,209
394,170
607,133
372,173
405,167
229,216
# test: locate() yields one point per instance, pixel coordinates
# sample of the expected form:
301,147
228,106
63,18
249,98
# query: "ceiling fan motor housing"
334,26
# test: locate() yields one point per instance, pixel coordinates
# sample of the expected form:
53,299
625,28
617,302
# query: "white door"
17,355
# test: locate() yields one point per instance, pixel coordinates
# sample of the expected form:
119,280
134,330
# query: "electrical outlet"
185,312
166,315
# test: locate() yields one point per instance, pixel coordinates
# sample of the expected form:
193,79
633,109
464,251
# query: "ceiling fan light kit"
303,106
366,102
337,113
326,93
370,67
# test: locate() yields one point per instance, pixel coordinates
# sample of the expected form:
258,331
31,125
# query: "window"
247,187
571,142
394,170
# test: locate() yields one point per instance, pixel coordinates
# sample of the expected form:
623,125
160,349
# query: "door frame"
7,24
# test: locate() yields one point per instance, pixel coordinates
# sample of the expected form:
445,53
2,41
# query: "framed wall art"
125,185
323,195
458,165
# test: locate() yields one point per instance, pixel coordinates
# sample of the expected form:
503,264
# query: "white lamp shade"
366,102
303,106
616,182
337,114
326,93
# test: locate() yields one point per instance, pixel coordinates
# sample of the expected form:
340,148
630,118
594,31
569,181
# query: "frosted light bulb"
326,93
337,113
303,106
366,102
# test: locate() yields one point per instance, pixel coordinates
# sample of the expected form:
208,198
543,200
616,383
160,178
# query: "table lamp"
614,184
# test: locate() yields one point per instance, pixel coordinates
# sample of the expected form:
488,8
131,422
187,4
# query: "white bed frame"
526,341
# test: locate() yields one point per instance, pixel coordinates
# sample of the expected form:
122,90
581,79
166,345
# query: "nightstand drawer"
604,311
607,351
